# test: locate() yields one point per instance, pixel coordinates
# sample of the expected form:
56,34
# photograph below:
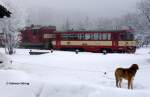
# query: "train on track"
91,41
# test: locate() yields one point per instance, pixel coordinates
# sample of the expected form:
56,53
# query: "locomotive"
37,36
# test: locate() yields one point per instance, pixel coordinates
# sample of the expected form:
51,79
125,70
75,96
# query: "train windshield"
128,36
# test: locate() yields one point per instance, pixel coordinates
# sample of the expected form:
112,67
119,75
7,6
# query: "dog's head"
134,66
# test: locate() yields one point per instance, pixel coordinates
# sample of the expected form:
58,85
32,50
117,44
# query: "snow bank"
85,90
67,90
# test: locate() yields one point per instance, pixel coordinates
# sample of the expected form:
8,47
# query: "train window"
109,36
35,31
126,36
71,36
87,36
100,36
91,36
96,36
64,36
130,36
104,36
79,36
82,36
75,36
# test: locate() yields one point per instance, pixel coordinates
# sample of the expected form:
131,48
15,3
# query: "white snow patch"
67,74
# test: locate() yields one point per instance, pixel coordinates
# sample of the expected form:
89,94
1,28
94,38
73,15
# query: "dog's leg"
132,83
116,83
117,80
120,81
129,83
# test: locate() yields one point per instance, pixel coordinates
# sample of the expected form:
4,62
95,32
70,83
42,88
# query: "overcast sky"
56,10
96,7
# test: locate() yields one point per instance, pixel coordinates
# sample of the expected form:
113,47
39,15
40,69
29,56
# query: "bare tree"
107,24
67,25
144,7
12,25
10,35
84,23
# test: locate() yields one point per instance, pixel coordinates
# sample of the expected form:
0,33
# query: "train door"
58,41
115,40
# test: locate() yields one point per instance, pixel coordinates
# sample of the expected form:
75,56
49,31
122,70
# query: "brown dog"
126,73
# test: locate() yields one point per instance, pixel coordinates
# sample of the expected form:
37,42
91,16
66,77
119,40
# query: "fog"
55,12
103,8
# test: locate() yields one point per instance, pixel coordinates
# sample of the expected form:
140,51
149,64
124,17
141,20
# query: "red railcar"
95,41
37,36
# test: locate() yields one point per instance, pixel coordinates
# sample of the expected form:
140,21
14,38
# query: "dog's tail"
116,78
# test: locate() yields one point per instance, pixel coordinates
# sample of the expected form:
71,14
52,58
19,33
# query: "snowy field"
66,74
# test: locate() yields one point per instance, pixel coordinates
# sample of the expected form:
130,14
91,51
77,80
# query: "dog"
126,73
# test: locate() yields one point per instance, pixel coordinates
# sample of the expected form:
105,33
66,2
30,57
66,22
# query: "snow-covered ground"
66,74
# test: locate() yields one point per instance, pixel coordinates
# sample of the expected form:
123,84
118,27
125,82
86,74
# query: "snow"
66,74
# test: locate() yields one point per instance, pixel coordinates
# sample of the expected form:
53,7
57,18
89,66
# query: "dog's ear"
135,66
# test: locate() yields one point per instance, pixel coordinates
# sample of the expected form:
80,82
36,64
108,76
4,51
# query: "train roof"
94,31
